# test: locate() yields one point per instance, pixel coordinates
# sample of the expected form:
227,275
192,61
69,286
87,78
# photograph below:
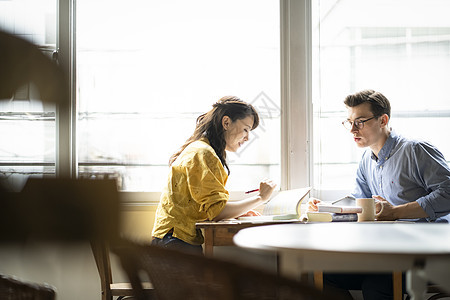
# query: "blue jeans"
170,242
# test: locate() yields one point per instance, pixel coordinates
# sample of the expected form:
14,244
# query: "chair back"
12,288
177,275
62,210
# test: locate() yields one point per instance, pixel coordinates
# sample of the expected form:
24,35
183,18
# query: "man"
411,178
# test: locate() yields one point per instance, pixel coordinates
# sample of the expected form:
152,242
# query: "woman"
196,184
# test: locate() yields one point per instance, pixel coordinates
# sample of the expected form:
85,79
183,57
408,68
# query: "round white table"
422,250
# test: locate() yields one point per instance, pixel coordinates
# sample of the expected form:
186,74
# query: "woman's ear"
226,121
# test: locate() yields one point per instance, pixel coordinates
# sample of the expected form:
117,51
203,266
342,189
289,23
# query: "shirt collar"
204,139
386,150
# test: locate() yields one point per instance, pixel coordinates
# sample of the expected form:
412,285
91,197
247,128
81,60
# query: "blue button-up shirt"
406,171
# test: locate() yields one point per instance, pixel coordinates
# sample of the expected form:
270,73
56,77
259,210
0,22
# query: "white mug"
369,209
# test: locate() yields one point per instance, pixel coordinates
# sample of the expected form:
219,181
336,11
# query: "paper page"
286,202
268,218
338,208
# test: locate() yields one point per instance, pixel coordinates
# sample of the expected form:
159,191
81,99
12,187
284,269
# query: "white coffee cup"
369,209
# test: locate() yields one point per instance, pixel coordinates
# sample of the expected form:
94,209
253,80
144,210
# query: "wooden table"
358,247
221,233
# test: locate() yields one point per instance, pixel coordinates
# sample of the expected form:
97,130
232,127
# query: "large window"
400,48
144,70
27,126
147,69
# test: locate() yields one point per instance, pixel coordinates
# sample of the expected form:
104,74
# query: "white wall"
69,268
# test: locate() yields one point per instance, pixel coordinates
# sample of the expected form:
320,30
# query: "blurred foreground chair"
110,289
176,275
12,288
22,62
60,210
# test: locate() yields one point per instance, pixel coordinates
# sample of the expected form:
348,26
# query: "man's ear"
384,120
226,121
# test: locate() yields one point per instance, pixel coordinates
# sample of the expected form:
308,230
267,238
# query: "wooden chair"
110,289
177,275
12,288
435,290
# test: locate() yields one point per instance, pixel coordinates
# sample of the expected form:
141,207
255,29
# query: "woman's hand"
233,209
266,188
250,213
312,204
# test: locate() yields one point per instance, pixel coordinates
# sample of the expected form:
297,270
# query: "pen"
255,190
345,198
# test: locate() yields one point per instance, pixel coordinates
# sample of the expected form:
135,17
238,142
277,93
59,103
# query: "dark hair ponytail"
209,125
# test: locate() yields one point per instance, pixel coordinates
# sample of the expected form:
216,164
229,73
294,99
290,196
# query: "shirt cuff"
428,208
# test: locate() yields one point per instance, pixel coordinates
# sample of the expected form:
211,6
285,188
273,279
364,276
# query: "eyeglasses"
358,123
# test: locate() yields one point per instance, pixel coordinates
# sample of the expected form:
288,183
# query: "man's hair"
379,104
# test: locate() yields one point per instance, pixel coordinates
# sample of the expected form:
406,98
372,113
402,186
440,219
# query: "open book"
286,205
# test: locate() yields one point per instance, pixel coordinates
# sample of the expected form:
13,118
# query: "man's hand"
411,210
312,204
388,212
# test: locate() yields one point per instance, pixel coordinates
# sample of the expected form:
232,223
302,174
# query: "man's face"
370,135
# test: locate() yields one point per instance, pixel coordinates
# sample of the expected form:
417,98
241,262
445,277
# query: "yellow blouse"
195,192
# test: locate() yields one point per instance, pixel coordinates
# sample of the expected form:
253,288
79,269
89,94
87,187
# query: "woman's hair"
209,125
379,104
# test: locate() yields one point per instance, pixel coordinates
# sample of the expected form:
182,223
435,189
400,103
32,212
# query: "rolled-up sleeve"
206,180
433,171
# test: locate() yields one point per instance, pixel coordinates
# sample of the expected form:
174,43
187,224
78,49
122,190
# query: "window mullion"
65,129
296,104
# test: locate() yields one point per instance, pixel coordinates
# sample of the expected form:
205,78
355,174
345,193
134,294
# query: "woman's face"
236,133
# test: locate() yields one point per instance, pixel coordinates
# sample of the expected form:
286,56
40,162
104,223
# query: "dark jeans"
374,286
170,242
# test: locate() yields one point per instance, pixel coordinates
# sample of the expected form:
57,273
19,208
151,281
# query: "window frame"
65,112
296,101
296,98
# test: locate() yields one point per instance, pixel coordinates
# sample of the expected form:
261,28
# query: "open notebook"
286,205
